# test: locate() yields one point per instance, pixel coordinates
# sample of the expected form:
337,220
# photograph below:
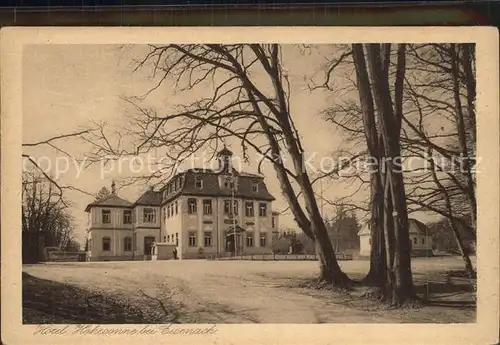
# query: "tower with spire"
225,156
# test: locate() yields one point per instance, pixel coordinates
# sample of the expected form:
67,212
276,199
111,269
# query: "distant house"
420,239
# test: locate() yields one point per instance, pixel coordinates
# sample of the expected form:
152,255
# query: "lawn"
199,291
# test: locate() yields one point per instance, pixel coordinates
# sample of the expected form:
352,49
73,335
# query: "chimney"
113,188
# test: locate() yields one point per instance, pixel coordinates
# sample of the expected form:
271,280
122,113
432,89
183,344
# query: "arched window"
106,244
127,244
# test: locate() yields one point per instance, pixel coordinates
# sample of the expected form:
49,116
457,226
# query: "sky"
67,87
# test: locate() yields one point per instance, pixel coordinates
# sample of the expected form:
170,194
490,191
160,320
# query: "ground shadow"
449,295
46,301
450,289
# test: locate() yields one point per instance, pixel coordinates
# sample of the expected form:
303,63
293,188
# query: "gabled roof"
112,200
150,197
415,227
365,230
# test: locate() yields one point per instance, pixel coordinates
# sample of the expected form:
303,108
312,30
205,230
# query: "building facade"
202,211
420,239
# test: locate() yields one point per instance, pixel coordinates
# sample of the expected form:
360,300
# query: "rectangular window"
263,209
149,215
164,238
263,240
168,238
255,186
227,206
414,240
249,209
106,216
127,244
272,222
207,207
423,240
229,183
127,217
106,244
176,238
192,239
176,207
199,182
207,239
249,239
191,205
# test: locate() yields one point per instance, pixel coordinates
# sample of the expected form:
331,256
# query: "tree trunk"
311,224
453,223
389,242
470,82
462,136
376,275
378,264
330,270
463,252
399,266
403,289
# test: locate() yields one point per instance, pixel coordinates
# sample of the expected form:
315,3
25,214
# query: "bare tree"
56,143
399,281
377,274
44,212
441,92
255,112
430,97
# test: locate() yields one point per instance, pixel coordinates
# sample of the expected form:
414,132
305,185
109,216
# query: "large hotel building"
200,211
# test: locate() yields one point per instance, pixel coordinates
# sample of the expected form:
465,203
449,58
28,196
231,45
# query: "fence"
278,257
66,256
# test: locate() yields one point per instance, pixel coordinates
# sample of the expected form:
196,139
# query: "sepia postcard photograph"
245,185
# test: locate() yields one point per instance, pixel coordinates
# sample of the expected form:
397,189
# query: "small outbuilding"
162,251
420,239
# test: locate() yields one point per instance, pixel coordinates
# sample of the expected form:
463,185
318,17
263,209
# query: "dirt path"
215,292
